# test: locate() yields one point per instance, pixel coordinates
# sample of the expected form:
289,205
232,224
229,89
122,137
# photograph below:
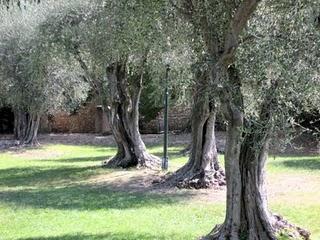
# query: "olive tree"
222,26
34,86
202,169
273,78
113,42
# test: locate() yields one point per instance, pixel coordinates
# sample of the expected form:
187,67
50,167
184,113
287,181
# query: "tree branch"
237,24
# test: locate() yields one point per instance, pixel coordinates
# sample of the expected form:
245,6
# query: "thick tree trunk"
123,117
247,214
31,137
202,169
20,124
26,127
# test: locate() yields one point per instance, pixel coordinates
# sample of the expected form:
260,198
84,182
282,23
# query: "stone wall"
92,119
178,120
88,119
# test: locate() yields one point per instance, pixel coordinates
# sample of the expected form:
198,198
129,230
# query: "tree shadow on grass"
172,153
64,188
306,164
113,236
41,176
80,159
88,197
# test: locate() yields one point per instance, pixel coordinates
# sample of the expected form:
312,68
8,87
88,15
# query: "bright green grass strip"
175,221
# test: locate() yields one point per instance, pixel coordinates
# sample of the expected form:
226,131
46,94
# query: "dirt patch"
7,144
141,181
291,188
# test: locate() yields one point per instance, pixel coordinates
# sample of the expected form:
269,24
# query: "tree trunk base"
148,161
34,143
281,229
191,178
284,228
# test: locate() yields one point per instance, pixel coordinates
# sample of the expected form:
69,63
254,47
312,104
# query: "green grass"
305,164
45,194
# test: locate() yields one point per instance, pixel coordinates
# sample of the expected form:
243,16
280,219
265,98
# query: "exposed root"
284,228
190,178
216,234
30,144
281,228
120,162
149,161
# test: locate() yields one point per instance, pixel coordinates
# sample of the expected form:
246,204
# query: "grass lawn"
60,192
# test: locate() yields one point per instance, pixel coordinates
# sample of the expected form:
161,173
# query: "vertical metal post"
165,160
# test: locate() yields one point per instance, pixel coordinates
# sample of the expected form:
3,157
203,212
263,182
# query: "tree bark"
26,127
31,137
123,117
247,214
20,124
202,169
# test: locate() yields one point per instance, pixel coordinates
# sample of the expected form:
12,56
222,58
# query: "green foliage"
35,77
100,33
42,45
280,47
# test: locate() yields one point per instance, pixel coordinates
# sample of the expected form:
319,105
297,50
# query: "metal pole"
165,160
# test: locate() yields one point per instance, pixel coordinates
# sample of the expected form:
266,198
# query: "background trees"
121,47
112,42
36,80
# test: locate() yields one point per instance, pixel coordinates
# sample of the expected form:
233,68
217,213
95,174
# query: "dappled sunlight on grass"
60,192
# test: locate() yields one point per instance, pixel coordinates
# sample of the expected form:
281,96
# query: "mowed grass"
46,193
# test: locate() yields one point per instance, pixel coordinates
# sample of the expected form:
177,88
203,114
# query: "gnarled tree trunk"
247,214
26,127
31,137
202,169
123,117
20,124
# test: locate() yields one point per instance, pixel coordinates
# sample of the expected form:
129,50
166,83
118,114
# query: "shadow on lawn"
308,164
80,159
114,236
35,176
304,163
58,188
88,197
171,152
